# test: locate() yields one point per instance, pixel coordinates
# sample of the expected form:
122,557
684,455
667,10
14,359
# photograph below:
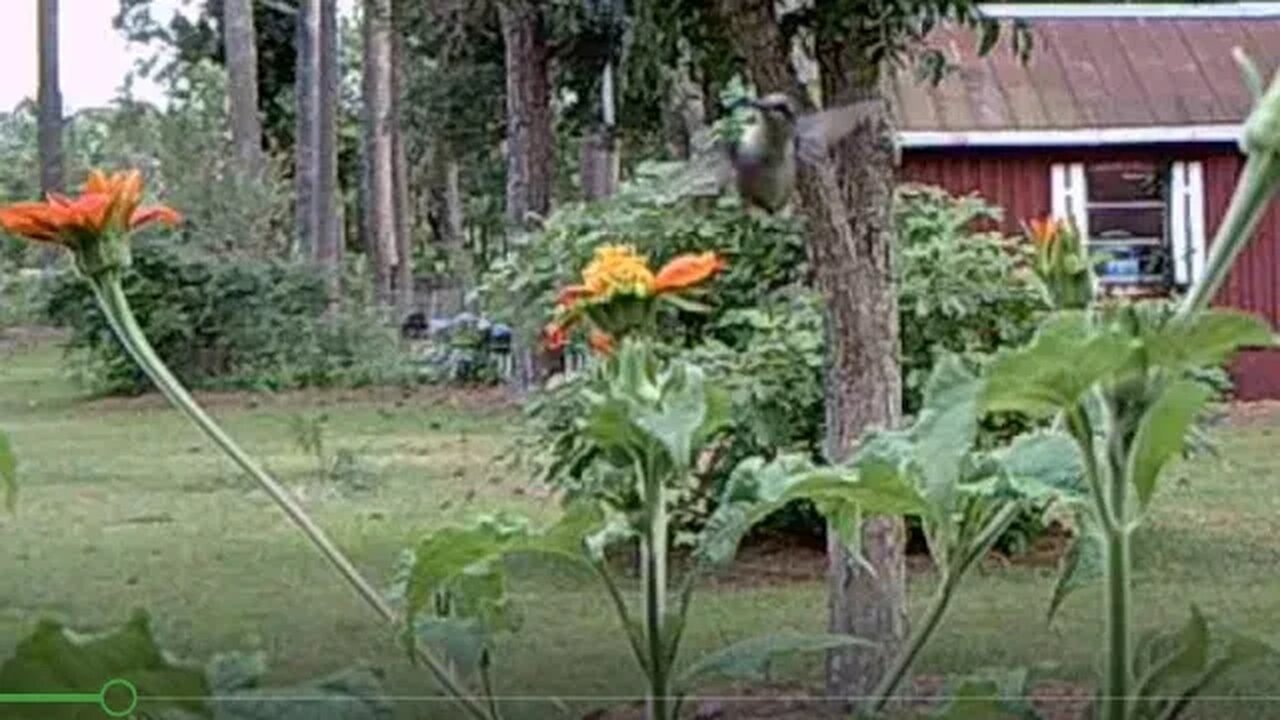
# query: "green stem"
1116,700
654,547
938,607
1257,185
115,305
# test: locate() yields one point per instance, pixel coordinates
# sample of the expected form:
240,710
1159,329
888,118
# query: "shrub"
23,294
961,291
228,323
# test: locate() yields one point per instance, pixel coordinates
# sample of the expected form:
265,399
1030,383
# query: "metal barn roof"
1098,74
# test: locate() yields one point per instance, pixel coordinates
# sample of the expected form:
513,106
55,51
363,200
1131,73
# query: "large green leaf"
1043,464
8,472
749,659
1067,356
945,432
1206,338
54,659
1162,433
758,489
353,694
677,421
1082,564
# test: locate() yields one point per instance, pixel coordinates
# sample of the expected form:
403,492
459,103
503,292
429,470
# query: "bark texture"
306,174
403,281
50,99
529,131
529,147
329,225
379,153
599,162
848,203
242,85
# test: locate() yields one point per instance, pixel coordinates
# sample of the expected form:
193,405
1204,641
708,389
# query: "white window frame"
1185,226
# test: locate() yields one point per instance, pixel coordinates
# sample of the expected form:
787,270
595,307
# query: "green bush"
228,323
960,290
23,294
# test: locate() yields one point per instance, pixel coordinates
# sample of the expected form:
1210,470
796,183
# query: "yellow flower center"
617,269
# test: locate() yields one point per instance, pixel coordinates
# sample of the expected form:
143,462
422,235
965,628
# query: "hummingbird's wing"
818,131
708,171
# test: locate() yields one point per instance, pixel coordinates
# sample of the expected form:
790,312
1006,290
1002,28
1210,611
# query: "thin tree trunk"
529,132
50,99
379,151
330,225
242,85
848,204
400,179
306,174
529,150
599,161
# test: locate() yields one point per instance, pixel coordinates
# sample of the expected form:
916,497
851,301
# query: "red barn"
1125,119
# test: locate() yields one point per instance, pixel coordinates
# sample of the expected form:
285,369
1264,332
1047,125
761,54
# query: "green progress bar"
121,707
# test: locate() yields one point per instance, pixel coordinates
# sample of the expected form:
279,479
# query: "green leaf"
1067,356
1206,338
676,423
990,695
353,694
54,659
749,659
945,432
1043,464
1162,433
8,472
1081,565
229,672
757,490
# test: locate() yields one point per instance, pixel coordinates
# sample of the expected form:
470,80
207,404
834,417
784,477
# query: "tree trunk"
329,225
50,100
447,208
529,149
379,152
306,175
848,204
400,179
529,132
599,160
242,85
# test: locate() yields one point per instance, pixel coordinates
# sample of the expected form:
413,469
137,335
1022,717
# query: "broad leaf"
1081,565
676,423
354,694
1163,432
1043,464
945,432
54,659
749,659
1067,356
8,472
1207,338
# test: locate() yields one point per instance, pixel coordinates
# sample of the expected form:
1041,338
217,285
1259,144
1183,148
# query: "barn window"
1147,217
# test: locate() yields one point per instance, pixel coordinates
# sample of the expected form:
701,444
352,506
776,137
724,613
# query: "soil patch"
1054,700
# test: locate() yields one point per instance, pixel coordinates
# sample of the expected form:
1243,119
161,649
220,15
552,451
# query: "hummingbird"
763,162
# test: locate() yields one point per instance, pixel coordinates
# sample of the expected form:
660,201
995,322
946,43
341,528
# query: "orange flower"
554,337
108,204
600,342
617,269
1044,231
571,295
686,271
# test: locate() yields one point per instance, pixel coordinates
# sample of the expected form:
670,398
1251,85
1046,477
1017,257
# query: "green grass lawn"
124,505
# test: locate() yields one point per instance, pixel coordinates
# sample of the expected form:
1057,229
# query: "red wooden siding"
1018,182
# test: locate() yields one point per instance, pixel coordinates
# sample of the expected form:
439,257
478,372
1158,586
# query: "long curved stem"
115,305
938,607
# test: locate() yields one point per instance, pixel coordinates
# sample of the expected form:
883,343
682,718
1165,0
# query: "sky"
94,57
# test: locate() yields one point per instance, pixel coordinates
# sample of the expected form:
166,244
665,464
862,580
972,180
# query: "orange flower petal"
600,342
152,214
687,271
97,182
34,221
555,337
571,295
